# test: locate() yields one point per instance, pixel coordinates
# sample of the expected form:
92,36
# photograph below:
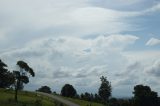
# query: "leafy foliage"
21,76
6,77
45,89
105,89
68,91
144,96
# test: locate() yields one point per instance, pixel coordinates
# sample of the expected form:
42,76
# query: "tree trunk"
16,90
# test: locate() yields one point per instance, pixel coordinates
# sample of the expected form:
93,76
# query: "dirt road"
62,100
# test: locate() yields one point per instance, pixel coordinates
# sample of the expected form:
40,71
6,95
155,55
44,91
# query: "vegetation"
45,89
83,102
21,76
144,96
68,91
105,89
25,99
6,77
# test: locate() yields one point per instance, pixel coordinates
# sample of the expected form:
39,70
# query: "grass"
32,99
82,102
24,99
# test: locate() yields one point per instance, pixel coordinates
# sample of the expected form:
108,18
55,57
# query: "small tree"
22,76
105,89
6,77
45,89
68,91
143,96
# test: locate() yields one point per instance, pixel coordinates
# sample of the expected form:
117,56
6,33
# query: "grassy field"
24,99
32,99
83,102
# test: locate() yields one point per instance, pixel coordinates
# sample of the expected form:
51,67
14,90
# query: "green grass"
24,99
82,102
32,99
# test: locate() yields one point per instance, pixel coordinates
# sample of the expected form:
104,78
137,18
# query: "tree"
97,98
68,91
144,96
6,77
21,76
113,102
87,96
105,89
45,89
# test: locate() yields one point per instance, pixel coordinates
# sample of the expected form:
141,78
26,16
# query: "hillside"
33,99
25,99
82,102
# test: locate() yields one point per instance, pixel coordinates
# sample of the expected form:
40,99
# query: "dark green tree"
113,102
82,96
97,98
144,96
6,77
45,89
68,91
87,96
105,89
22,76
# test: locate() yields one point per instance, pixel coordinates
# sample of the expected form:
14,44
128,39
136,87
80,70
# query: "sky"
78,41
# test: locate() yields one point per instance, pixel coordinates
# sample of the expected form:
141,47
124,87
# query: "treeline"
143,95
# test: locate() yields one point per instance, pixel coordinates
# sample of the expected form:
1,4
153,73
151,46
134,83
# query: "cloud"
153,42
46,18
131,75
77,41
154,69
30,20
125,5
63,59
115,41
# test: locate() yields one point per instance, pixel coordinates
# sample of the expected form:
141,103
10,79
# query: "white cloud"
29,20
154,8
74,42
76,18
153,42
154,69
125,5
65,58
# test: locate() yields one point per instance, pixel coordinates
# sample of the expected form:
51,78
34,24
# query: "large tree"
68,91
105,89
45,89
22,76
144,96
6,77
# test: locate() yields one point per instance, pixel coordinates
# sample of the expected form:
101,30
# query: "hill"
82,102
25,99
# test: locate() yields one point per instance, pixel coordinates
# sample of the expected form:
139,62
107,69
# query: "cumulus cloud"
154,69
65,58
75,41
153,42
